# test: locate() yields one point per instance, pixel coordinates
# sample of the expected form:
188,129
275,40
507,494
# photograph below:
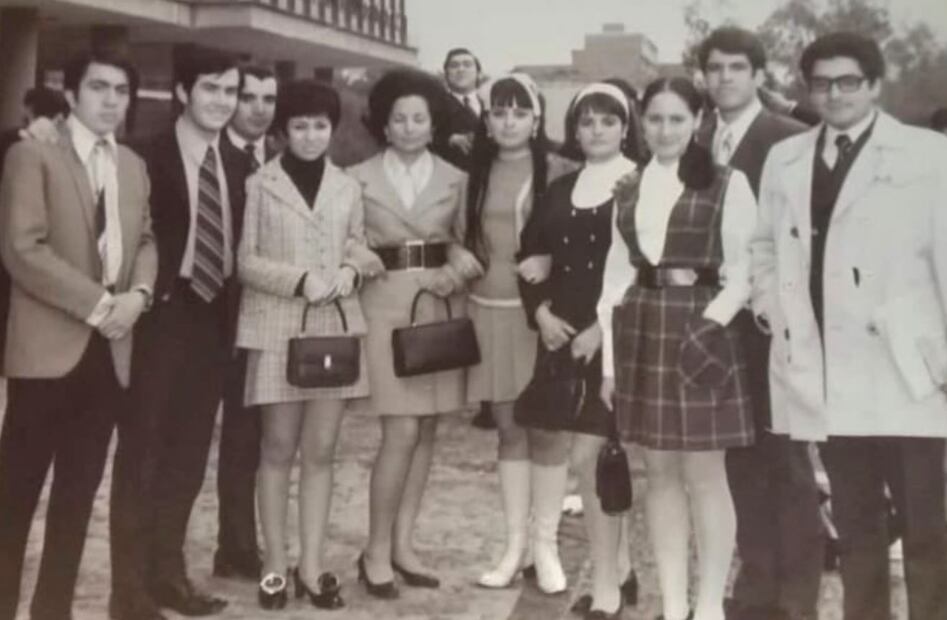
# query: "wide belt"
668,277
412,255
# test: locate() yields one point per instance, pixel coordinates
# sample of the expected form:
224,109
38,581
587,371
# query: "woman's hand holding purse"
437,281
553,331
587,343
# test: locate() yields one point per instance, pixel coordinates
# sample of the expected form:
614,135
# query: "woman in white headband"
570,232
508,176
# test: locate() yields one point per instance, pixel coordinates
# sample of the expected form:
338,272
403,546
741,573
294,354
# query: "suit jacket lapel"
331,183
432,193
867,165
81,179
383,192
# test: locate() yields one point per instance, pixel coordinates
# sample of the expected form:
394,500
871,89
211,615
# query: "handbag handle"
414,304
338,306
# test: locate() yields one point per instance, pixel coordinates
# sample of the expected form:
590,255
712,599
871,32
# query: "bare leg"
666,512
403,550
715,527
281,431
320,431
399,437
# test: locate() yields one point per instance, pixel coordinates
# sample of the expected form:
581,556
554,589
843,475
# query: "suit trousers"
779,533
66,422
859,468
177,376
237,461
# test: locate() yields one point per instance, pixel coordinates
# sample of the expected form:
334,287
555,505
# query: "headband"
609,90
523,80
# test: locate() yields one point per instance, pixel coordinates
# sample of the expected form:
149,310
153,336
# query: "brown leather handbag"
323,361
433,347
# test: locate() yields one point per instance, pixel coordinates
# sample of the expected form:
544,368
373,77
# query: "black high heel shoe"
629,596
386,590
271,593
329,587
416,580
598,614
690,616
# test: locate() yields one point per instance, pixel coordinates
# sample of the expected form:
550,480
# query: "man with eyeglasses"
850,272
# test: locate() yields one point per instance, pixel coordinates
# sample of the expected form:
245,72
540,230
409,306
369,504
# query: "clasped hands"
123,312
318,291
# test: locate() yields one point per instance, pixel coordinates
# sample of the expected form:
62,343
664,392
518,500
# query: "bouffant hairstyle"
399,83
696,169
306,98
733,40
852,45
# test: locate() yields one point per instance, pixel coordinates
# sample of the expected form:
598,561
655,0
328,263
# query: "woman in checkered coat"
679,386
303,247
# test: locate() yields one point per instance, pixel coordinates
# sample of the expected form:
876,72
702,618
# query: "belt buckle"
410,246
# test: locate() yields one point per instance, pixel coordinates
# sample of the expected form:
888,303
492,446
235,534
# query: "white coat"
884,357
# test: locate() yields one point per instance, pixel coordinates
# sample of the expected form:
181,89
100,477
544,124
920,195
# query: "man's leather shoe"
185,599
137,608
244,565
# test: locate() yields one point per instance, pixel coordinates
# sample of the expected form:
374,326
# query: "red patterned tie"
207,276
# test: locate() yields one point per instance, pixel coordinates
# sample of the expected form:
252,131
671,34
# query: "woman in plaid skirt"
679,386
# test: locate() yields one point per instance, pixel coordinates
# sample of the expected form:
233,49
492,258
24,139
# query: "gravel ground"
461,529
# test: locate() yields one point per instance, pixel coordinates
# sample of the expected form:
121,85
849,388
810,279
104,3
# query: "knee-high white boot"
514,487
548,489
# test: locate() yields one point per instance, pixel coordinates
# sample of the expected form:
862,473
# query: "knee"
511,435
318,456
401,435
278,451
548,447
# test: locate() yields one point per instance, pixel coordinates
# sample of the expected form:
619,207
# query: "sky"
505,33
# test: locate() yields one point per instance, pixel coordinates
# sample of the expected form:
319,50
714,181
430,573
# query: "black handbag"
612,476
557,384
433,347
323,361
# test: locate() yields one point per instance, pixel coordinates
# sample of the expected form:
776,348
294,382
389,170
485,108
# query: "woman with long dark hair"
679,386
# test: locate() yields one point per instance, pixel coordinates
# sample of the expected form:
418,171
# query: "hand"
124,312
41,129
587,343
465,262
373,267
553,331
461,141
776,101
342,284
607,392
314,289
437,282
535,269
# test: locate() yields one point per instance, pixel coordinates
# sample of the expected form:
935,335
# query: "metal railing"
382,20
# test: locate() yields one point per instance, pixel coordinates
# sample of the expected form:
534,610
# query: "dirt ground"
461,530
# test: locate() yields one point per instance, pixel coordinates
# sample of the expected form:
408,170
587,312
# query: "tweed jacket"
878,367
283,240
49,247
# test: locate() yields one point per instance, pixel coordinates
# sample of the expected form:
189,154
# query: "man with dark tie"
850,272
237,553
779,535
454,140
186,344
78,245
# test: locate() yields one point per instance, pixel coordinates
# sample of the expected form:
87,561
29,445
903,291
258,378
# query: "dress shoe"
328,595
629,596
134,608
484,418
416,580
244,565
271,593
690,616
386,590
599,614
184,598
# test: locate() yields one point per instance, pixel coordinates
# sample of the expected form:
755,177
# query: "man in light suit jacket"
77,242
773,484
237,553
186,344
850,272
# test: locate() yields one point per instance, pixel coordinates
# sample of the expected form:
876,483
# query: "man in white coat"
850,273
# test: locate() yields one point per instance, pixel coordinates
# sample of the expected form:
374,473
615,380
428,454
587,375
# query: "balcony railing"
382,20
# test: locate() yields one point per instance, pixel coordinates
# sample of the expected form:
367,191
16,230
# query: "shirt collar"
596,181
194,145
84,139
739,126
241,143
421,167
854,132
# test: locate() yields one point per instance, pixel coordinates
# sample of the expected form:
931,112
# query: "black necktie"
468,103
251,153
844,145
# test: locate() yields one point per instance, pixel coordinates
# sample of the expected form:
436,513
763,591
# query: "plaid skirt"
680,380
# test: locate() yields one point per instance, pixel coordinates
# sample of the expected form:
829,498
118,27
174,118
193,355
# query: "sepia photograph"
473,309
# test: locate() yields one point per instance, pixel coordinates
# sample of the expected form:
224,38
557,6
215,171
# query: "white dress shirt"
734,131
471,97
259,145
408,181
829,148
193,149
659,191
101,166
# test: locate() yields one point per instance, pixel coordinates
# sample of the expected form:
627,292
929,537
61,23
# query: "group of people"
724,284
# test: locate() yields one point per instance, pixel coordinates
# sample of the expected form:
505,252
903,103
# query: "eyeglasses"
845,83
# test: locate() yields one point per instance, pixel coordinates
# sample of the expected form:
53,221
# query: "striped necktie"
207,276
